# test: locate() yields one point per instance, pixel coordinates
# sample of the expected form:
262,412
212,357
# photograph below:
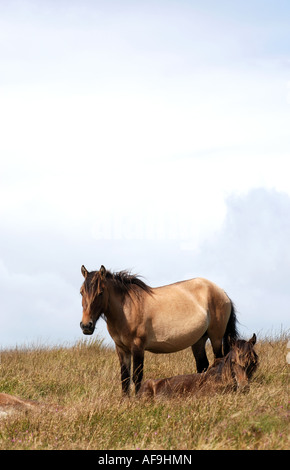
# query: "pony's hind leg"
199,353
217,346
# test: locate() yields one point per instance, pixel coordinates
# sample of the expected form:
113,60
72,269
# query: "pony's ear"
103,272
253,339
84,271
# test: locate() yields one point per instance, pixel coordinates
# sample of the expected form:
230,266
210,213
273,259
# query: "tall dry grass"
80,389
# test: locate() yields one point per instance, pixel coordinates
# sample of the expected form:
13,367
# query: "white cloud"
249,257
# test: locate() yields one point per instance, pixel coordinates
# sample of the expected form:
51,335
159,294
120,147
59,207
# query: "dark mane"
127,283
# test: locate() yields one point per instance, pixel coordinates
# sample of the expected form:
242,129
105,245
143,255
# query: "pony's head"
94,298
243,362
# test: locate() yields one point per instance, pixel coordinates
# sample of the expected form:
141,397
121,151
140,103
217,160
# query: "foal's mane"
127,283
240,347
226,360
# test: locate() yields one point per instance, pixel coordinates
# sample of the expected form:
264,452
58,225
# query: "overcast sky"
153,136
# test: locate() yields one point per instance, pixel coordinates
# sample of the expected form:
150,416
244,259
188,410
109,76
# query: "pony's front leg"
125,363
138,361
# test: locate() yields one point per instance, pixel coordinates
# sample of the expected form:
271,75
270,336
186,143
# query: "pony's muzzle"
87,328
243,387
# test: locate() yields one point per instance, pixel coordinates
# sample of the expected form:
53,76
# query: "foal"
230,372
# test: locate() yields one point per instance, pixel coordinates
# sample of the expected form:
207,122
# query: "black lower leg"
125,379
199,353
218,352
138,361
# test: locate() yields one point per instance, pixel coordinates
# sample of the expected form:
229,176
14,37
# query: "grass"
80,388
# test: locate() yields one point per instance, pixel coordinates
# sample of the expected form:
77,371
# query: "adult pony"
231,372
160,320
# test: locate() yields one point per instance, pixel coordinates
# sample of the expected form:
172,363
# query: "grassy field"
80,389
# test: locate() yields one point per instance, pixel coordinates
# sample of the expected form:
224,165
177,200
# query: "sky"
150,136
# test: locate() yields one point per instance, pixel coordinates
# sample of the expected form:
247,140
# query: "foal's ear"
84,271
253,339
103,272
231,341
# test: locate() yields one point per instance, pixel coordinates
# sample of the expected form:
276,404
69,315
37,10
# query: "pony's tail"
231,333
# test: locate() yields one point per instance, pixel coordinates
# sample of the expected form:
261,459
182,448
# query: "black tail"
231,333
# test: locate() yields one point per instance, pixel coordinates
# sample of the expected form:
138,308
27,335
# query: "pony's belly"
171,343
165,347
175,319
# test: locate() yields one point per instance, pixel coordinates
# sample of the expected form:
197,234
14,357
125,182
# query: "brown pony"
160,320
230,372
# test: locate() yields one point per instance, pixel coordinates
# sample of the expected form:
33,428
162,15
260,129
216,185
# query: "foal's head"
243,361
94,298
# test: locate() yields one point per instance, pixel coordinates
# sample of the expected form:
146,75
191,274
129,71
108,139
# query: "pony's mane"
127,283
